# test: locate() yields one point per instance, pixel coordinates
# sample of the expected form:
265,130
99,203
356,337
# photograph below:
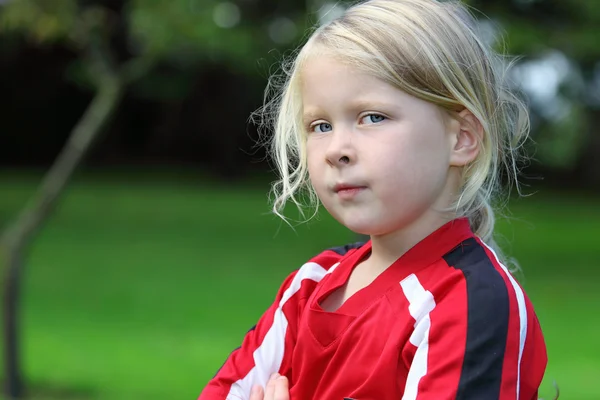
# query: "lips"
348,191
346,187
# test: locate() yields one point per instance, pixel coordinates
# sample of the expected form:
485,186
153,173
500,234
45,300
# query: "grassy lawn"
138,289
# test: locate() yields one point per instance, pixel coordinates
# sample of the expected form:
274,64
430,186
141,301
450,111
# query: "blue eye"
322,127
372,119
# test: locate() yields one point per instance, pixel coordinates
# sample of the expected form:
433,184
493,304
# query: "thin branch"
136,68
110,89
17,236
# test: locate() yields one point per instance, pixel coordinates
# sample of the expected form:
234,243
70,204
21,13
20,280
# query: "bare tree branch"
15,239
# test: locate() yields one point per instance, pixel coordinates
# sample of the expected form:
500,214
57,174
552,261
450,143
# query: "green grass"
139,289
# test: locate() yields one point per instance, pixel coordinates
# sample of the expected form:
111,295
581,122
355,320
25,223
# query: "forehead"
329,85
326,80
326,72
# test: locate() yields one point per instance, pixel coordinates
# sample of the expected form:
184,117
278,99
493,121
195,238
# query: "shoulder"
484,279
347,248
330,257
317,267
471,280
473,321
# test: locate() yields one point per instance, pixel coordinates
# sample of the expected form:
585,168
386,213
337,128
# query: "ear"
467,139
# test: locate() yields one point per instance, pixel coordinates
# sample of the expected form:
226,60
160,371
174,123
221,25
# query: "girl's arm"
480,339
266,348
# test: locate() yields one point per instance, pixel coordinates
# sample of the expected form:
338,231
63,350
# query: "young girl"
395,117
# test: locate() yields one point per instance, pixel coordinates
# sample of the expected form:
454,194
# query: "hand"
277,389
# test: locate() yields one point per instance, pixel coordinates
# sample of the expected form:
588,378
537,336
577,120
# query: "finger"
257,393
270,388
282,392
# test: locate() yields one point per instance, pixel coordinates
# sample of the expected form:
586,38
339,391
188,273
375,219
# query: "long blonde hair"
430,50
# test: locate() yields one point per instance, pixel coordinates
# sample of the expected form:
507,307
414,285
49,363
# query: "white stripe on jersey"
522,315
269,355
421,303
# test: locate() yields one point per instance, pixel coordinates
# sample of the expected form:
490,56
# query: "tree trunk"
16,238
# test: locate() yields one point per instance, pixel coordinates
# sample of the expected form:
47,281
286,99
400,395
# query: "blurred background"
135,263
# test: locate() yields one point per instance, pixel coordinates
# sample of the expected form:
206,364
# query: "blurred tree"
563,36
119,43
89,30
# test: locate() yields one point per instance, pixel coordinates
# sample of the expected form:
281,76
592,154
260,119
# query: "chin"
362,221
363,227
374,225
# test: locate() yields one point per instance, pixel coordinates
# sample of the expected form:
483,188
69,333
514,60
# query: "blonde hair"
430,50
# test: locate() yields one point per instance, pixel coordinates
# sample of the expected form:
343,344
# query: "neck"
387,248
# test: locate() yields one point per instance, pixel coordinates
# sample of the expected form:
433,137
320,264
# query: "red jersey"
445,321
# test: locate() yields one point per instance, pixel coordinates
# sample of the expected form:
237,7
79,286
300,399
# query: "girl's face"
378,158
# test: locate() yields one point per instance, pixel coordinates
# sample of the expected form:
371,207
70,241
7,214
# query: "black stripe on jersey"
487,322
342,250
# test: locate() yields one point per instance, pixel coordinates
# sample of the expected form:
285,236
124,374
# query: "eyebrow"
311,115
369,104
360,104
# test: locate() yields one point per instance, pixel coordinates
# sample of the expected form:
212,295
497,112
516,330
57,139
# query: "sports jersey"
445,321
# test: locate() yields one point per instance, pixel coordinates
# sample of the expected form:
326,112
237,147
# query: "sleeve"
482,341
266,348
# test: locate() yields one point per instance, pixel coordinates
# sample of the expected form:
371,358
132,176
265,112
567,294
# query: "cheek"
429,149
311,164
408,152
419,161
314,165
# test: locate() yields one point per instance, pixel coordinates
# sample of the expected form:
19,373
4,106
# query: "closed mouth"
345,187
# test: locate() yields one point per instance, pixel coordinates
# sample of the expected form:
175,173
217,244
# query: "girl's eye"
322,127
372,119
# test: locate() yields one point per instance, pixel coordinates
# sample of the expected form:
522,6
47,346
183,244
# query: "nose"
341,149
